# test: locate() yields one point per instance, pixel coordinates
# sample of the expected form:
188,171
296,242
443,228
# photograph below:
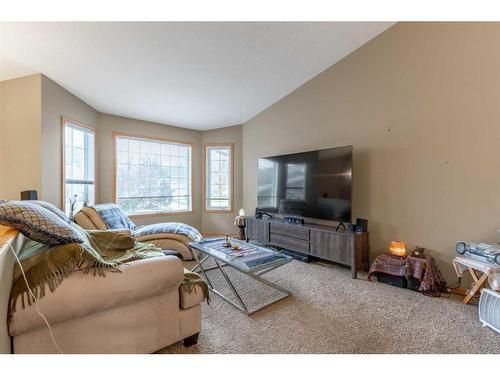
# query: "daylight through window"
218,177
152,176
79,175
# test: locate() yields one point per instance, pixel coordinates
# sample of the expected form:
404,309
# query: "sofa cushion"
37,223
88,218
83,294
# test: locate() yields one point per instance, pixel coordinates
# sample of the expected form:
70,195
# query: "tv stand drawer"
332,246
290,243
291,230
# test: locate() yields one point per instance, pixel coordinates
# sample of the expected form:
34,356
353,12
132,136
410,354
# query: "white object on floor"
489,309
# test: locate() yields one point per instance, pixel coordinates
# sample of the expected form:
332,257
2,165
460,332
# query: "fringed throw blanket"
191,281
102,251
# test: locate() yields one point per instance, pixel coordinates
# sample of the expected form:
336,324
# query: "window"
78,165
218,177
152,176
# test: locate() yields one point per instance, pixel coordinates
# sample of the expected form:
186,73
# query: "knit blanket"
101,252
175,228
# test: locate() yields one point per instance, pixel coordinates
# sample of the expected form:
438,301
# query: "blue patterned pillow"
113,216
37,223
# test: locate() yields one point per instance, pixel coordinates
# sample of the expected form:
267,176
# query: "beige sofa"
88,218
139,310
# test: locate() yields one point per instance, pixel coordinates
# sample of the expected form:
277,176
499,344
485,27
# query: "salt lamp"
398,248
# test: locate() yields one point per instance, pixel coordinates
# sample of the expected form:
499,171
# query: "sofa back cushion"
88,218
37,223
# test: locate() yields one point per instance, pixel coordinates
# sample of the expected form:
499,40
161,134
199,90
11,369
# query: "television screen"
315,184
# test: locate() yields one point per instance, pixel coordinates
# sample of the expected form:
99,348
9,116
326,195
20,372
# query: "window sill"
228,211
153,214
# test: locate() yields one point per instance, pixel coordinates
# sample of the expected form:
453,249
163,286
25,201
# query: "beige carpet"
331,313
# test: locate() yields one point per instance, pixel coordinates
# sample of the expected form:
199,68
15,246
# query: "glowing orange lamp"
398,248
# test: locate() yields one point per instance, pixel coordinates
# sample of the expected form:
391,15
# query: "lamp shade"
398,248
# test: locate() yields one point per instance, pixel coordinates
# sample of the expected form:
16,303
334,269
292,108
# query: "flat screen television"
315,184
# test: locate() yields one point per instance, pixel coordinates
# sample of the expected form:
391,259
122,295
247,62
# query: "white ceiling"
187,74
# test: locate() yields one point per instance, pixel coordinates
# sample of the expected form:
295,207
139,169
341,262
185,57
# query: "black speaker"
29,195
361,225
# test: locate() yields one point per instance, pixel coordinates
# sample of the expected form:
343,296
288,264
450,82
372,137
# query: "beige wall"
217,223
57,102
20,141
421,105
109,124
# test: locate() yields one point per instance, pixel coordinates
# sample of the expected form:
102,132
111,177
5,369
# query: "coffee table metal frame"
255,273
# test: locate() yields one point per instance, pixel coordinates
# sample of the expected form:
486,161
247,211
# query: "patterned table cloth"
389,265
422,269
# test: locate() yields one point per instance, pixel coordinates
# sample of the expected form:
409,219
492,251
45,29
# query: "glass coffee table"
250,259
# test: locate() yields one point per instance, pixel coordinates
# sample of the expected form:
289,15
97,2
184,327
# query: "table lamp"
398,248
240,221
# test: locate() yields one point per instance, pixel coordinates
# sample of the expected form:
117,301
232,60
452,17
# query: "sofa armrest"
192,298
83,294
161,236
182,247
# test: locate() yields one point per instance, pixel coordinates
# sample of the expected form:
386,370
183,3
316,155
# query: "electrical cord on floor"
51,333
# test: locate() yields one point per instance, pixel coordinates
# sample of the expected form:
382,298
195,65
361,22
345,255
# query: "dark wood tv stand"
318,241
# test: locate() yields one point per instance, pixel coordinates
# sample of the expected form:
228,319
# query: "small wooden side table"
490,275
423,269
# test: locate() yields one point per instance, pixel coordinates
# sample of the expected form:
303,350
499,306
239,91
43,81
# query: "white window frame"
67,122
206,177
189,146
